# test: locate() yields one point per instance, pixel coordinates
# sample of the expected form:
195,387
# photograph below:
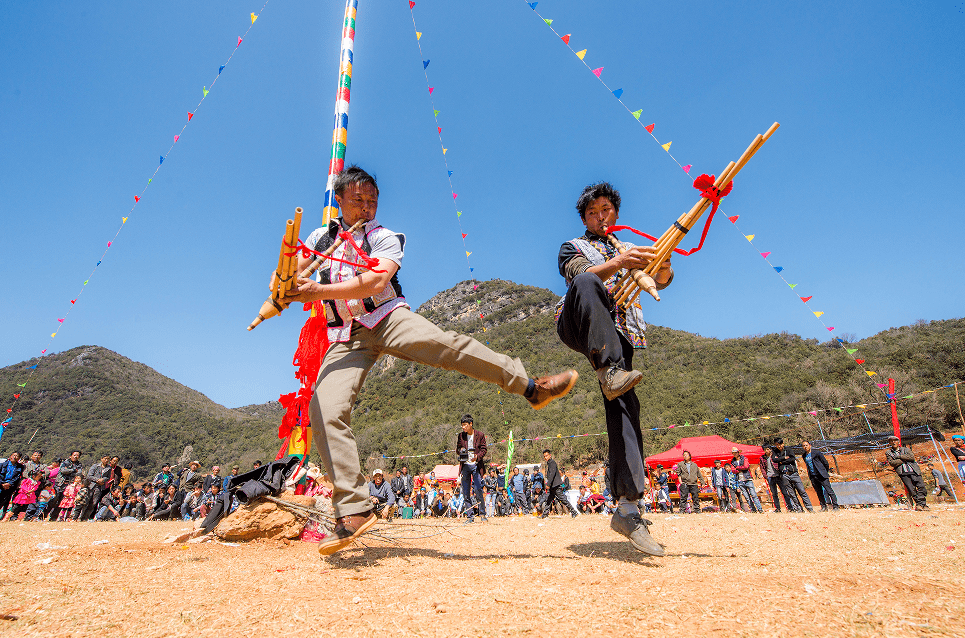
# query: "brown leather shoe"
347,529
554,387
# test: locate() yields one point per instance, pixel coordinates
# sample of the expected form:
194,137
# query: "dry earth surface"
880,572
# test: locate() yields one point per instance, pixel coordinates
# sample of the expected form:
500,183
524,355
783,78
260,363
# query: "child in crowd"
26,496
81,500
46,495
70,495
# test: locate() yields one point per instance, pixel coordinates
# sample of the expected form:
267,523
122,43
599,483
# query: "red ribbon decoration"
705,184
370,262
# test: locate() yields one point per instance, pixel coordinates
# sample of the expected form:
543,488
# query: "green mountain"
99,401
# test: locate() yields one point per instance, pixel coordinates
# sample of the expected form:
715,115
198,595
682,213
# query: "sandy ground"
882,572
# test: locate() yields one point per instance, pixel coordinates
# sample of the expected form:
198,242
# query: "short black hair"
466,418
778,441
594,191
547,452
352,175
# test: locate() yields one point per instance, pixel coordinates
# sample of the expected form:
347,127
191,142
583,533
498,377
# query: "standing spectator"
383,500
98,474
491,485
33,464
23,502
718,479
663,489
111,506
408,485
554,487
819,471
518,486
941,485
82,500
745,481
164,478
68,499
191,477
11,473
538,480
396,486
690,479
902,461
738,498
792,480
211,479
528,489
958,453
115,475
126,474
770,472
70,469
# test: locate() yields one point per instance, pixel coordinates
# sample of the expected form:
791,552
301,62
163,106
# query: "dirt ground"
870,572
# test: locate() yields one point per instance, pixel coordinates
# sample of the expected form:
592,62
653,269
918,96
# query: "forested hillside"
98,401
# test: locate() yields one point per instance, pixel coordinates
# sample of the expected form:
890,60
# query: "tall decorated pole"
342,99
295,428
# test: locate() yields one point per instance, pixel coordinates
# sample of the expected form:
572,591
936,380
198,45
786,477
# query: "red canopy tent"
704,450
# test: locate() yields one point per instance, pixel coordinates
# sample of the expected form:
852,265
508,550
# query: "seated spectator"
192,504
42,505
422,503
168,506
440,503
208,500
503,504
456,504
381,496
583,500
164,478
110,506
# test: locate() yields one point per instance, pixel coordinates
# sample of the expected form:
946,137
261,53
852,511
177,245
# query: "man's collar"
591,235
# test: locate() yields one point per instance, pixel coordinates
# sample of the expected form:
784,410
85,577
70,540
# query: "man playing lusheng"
589,322
368,317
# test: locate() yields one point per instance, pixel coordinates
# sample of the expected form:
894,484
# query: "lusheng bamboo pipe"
275,305
634,281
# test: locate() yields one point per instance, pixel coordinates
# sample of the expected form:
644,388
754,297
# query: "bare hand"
640,257
306,291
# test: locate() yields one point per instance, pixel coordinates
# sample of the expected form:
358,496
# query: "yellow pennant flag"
749,237
53,334
818,313
861,405
870,373
468,253
123,220
444,151
580,54
418,35
666,146
253,18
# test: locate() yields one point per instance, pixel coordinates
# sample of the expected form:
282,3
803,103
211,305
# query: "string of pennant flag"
637,114
861,407
137,198
445,160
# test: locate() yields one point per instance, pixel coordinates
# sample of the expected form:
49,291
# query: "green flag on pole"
509,458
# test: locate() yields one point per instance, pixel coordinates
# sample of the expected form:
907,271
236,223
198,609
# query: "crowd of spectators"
64,490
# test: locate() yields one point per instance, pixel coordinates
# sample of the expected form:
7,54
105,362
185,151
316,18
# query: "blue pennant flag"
98,263
425,64
220,69
471,269
618,93
532,5
33,367
450,173
162,160
778,268
726,420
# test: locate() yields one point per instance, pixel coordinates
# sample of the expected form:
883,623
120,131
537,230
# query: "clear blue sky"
858,195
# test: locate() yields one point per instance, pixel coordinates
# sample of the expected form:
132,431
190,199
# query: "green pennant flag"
792,286
851,350
509,458
435,112
548,21
637,114
839,409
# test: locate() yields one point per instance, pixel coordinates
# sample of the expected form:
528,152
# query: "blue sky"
857,196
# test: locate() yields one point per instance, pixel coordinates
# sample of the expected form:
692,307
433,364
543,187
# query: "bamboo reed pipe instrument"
283,280
635,280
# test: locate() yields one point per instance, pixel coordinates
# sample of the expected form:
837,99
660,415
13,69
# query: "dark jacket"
785,461
68,470
902,461
553,478
478,442
210,480
822,469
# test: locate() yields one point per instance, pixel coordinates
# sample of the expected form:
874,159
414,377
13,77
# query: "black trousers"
774,482
915,486
558,494
694,491
586,326
5,496
826,495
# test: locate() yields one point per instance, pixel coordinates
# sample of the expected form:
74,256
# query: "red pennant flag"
454,196
806,299
44,351
859,361
597,72
831,329
9,410
109,244
239,42
73,301
649,128
430,89
411,4
190,115
566,38
480,316
60,321
439,128
176,138
733,219
136,199
464,235
16,396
